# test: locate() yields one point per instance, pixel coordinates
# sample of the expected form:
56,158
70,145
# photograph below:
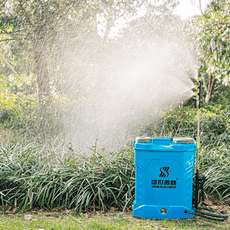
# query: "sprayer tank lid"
183,140
143,139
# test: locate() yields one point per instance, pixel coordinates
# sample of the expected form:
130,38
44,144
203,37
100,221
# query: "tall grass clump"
49,177
215,166
33,178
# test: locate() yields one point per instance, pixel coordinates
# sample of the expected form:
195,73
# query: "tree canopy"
213,45
30,29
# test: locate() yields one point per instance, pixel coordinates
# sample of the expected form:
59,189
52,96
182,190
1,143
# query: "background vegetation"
38,168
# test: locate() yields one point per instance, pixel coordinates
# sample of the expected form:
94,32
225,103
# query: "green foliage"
25,85
215,165
20,110
48,177
213,41
25,116
215,120
214,137
38,177
30,177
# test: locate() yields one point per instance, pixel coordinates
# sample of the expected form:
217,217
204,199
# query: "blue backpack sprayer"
165,184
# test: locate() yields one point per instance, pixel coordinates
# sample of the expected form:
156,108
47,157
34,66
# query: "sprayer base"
162,212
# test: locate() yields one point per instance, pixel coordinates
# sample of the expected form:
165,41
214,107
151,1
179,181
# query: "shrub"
214,123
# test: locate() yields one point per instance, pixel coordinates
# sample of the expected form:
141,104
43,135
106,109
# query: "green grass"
109,221
43,177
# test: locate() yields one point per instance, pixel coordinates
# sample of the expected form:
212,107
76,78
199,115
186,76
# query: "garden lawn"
58,220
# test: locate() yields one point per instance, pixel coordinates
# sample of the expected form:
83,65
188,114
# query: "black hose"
207,215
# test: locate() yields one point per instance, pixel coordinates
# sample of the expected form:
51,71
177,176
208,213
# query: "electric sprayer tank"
164,177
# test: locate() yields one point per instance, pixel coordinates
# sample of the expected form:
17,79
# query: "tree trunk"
41,69
210,87
200,7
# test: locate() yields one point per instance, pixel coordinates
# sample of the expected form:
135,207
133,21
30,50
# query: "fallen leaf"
28,217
